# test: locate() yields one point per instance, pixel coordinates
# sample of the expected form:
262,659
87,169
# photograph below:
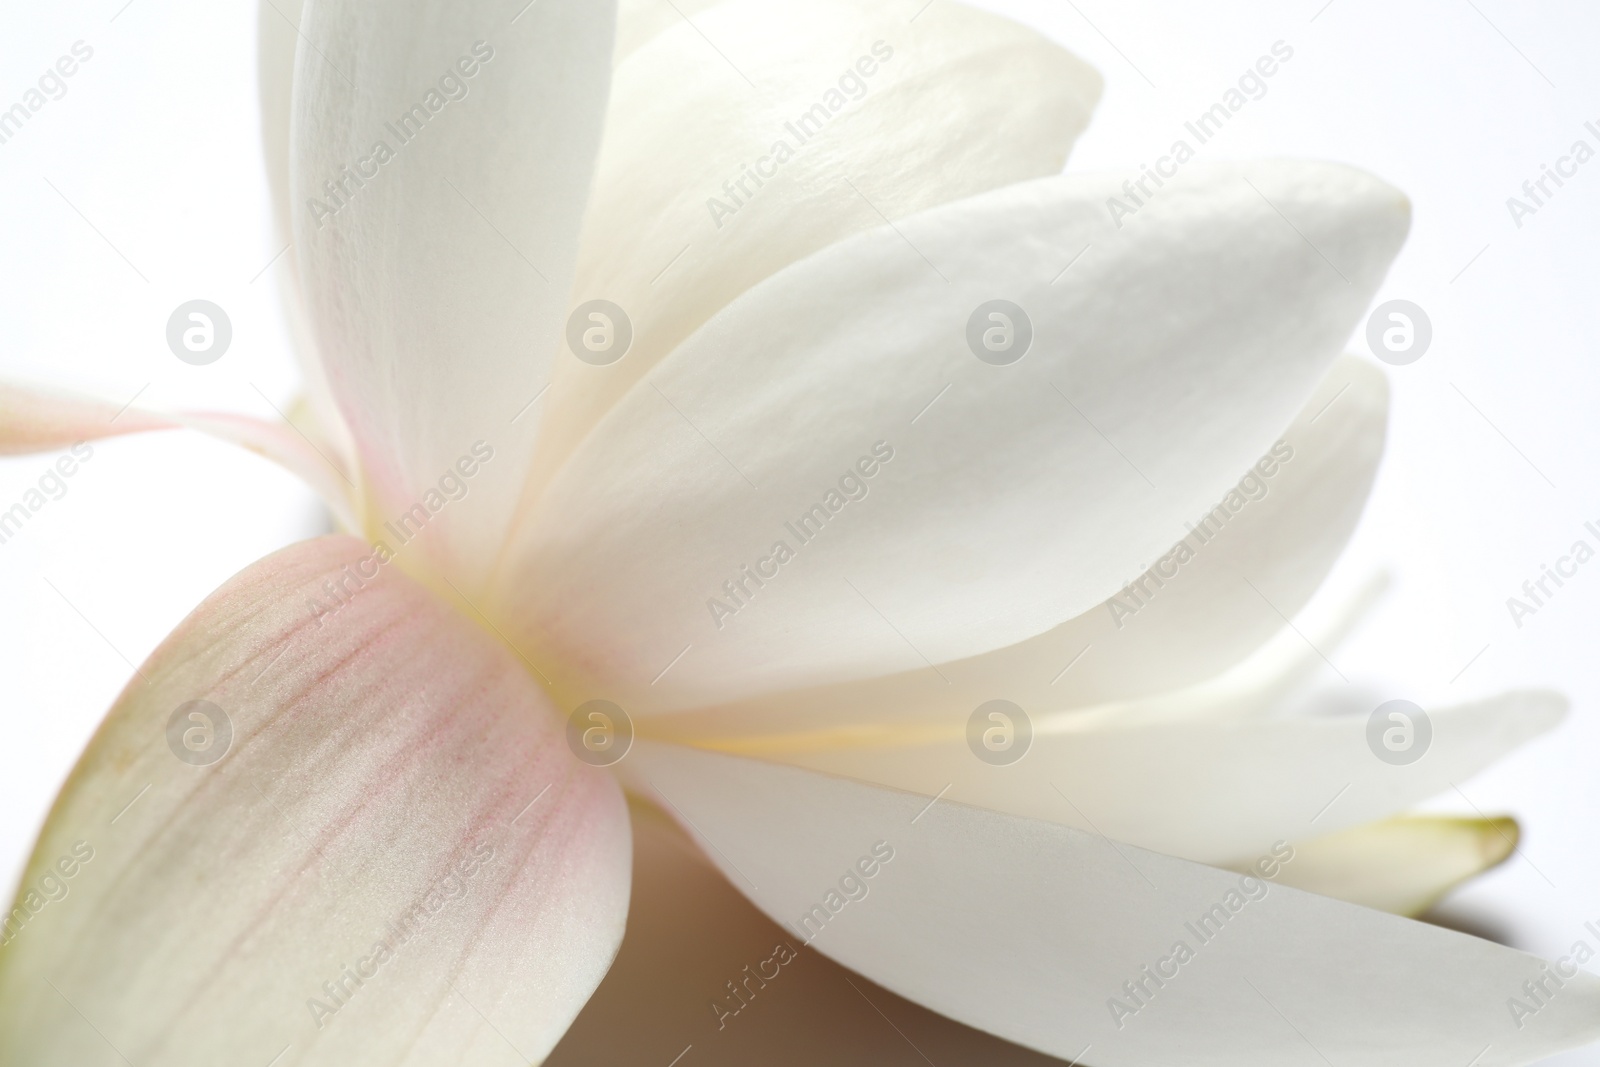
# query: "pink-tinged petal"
691,934
37,420
464,135
290,446
1037,932
382,789
40,420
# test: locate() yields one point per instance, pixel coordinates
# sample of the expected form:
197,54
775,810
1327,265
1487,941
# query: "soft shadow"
690,933
1474,921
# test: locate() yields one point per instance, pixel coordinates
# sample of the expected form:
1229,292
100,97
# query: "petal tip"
1498,838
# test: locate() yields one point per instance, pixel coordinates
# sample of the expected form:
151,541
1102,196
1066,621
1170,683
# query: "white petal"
390,776
691,934
278,31
1261,554
639,21
1403,865
1029,930
1207,790
954,103
1163,364
1187,619
439,287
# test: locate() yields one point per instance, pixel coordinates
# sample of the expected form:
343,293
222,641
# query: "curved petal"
37,420
1252,561
1037,932
691,935
1207,790
1163,365
278,34
40,420
377,798
639,21
1219,594
747,136
1403,865
441,158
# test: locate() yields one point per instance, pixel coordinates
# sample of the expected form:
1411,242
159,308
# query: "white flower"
804,501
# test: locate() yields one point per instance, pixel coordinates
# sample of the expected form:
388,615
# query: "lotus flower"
736,410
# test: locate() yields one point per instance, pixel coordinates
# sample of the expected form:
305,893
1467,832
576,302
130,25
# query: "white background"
156,147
